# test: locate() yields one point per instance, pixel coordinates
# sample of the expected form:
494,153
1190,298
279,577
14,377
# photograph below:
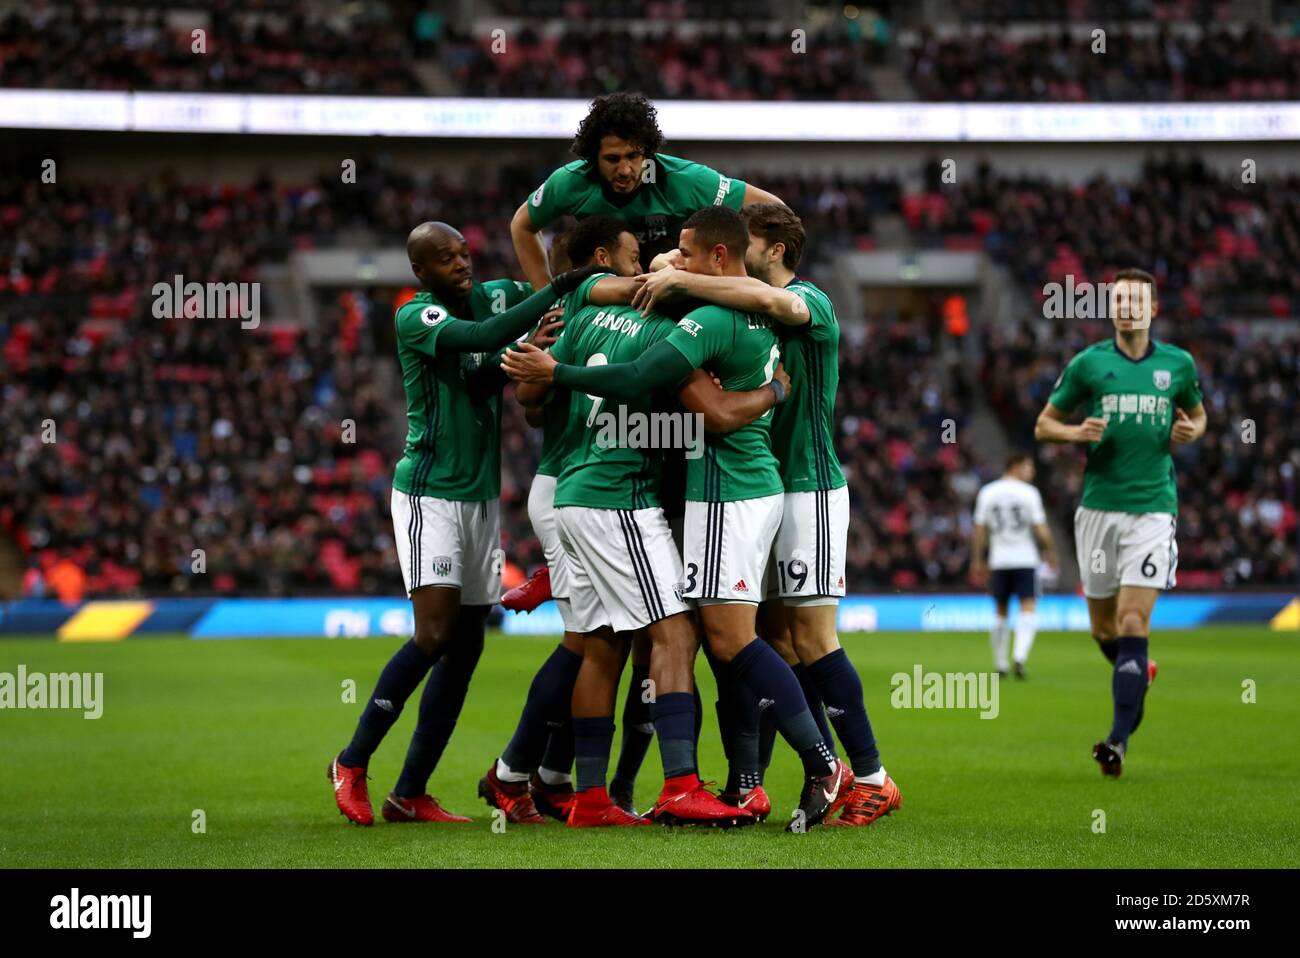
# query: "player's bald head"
440,260
429,237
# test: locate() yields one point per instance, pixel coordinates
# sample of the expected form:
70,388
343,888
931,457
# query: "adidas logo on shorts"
740,587
764,703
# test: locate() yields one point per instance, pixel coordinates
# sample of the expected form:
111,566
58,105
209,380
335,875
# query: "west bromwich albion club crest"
432,316
1162,378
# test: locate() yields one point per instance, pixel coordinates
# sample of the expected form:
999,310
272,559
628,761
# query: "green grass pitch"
243,730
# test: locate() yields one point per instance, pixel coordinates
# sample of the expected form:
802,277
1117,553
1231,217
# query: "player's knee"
433,635
1104,634
809,646
1133,621
784,646
723,645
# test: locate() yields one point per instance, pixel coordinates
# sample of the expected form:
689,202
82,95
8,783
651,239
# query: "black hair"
592,233
719,225
628,116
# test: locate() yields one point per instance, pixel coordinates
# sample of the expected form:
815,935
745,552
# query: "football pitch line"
212,753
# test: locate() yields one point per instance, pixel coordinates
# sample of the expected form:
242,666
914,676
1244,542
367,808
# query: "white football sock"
999,637
552,777
1025,626
505,773
875,778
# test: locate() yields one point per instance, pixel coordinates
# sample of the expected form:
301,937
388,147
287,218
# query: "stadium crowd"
174,435
668,50
294,50
1219,64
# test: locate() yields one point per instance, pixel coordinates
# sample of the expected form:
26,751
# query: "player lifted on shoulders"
445,509
1010,521
620,171
734,493
805,577
1139,395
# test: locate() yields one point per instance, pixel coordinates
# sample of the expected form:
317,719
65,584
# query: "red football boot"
755,801
350,792
1151,672
422,809
526,597
511,797
555,801
594,809
869,803
686,800
847,780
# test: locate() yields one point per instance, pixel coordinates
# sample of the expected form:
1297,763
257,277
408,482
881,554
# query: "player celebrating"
445,509
1140,394
734,493
621,567
620,171
806,572
1013,509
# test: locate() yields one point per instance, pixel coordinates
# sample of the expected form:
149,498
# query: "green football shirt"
612,458
741,350
555,418
671,190
803,427
453,442
1130,469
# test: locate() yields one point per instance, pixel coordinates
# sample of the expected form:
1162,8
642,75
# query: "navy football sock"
812,694
1128,686
1109,649
738,717
766,743
841,689
637,730
440,705
592,739
674,723
770,682
396,683
699,724
545,708
559,748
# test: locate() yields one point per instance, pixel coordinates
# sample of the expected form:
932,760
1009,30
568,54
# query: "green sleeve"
556,197
659,368
1071,388
821,320
581,296
1190,395
734,197
489,335
704,186
419,326
702,334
